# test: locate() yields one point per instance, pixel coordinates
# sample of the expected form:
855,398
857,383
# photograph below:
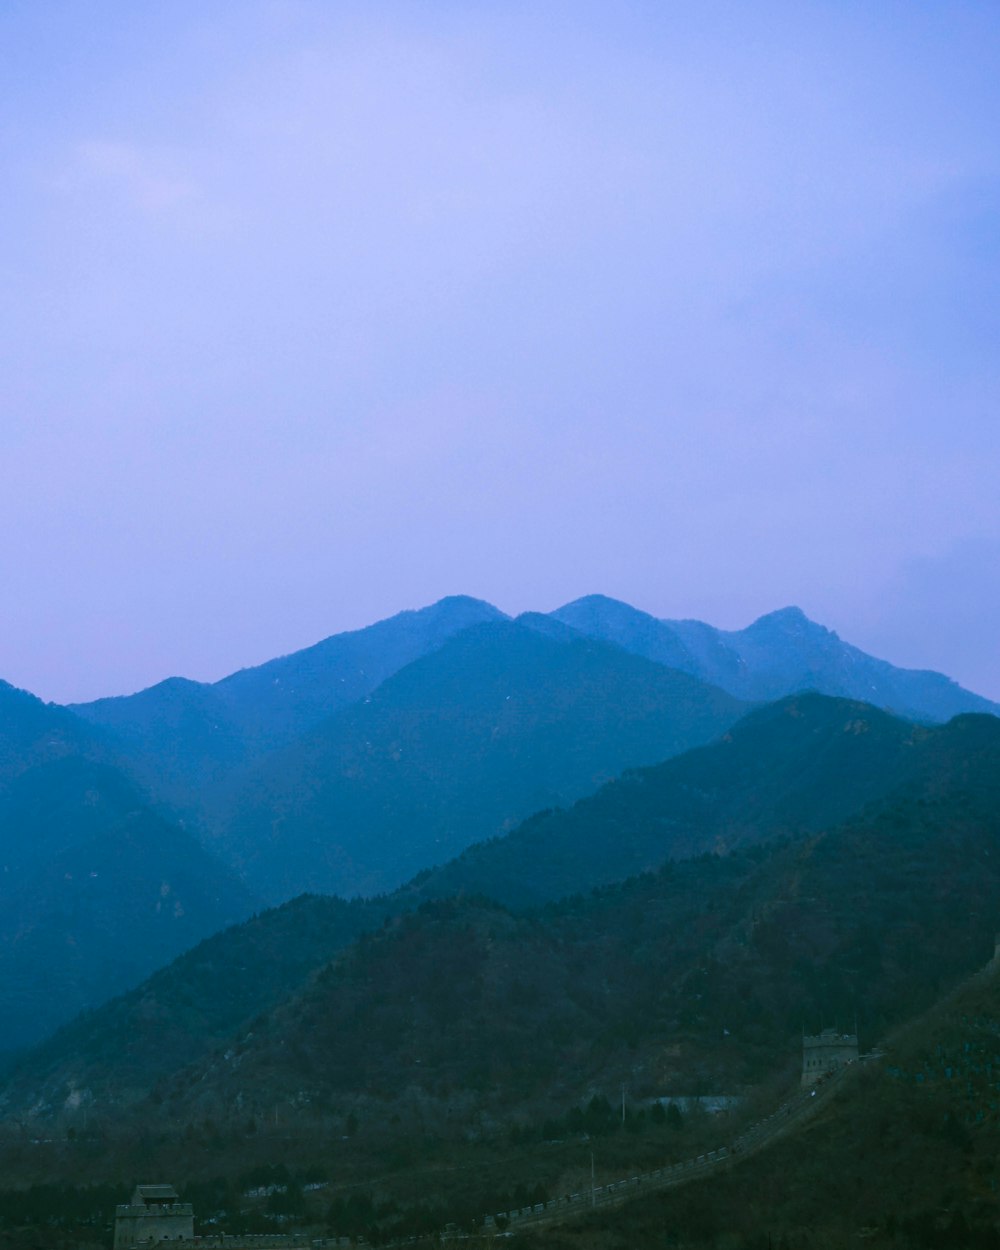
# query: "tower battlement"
154,1215
826,1051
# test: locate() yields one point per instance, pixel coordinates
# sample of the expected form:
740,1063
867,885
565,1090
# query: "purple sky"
315,311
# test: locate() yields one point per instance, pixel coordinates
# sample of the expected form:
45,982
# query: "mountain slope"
790,768
195,1001
182,735
702,972
460,745
96,891
850,915
905,1155
779,654
32,732
281,699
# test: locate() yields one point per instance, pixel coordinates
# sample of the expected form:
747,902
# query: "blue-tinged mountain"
96,891
181,736
701,972
781,653
499,722
900,897
33,732
786,770
194,1002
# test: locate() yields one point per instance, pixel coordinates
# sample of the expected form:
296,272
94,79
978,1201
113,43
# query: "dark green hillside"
458,746
789,764
700,976
800,765
460,1055
905,1158
96,891
221,984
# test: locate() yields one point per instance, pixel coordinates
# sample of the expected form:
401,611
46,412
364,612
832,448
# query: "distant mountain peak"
790,613
779,653
549,626
791,618
8,689
601,603
464,601
178,683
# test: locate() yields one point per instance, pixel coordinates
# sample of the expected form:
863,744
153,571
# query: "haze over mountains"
780,653
269,705
184,734
589,848
851,802
132,827
788,769
300,782
458,746
96,890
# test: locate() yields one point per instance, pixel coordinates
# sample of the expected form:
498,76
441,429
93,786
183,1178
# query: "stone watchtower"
825,1052
154,1215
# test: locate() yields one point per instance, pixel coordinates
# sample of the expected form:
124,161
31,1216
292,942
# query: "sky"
311,312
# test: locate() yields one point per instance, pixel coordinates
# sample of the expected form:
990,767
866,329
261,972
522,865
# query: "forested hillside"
97,888
699,975
458,746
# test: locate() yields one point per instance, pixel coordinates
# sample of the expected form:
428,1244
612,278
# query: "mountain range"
584,853
376,755
458,746
260,708
182,735
828,807
780,653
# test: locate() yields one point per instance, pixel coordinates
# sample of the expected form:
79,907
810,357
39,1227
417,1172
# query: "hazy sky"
312,311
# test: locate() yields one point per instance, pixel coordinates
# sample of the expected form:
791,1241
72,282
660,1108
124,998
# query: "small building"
155,1214
825,1052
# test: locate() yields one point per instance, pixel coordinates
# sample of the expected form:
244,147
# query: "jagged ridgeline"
461,745
778,654
355,763
115,857
131,828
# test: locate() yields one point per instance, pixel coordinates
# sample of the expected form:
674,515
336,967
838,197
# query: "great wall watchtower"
155,1214
826,1052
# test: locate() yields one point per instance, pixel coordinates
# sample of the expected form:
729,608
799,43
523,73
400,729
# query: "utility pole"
593,1191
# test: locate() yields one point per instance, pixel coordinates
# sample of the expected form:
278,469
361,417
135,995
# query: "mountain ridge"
941,793
460,744
264,707
779,653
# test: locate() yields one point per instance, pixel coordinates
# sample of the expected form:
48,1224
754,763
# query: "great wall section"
789,1117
